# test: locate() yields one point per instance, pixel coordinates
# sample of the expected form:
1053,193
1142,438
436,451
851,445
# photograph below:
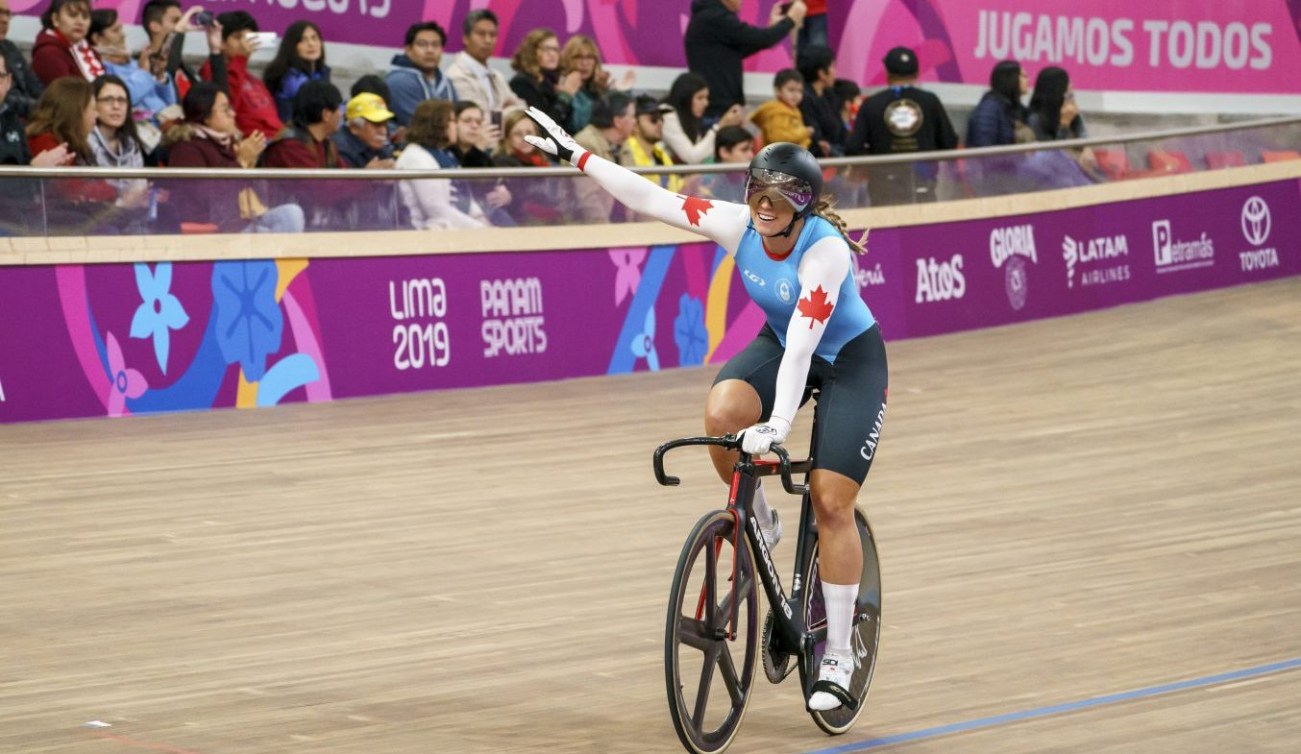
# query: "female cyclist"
797,266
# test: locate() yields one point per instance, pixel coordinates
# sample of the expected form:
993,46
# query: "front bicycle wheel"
864,638
710,676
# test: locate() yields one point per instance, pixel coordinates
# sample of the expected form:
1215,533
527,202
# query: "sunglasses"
798,193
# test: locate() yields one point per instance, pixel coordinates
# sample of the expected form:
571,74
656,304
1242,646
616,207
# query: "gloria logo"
1096,261
940,281
1171,255
1255,228
1009,248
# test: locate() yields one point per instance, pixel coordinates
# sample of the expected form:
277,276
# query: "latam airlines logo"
1255,228
1009,248
1098,261
1175,256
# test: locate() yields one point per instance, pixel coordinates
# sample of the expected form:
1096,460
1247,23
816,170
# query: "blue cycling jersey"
774,285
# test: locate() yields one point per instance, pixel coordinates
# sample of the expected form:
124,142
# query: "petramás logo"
1097,261
1175,256
1009,248
940,281
1256,226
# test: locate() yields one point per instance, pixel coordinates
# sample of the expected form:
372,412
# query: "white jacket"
682,147
430,199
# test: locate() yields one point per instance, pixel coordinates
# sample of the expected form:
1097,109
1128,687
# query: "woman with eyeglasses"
208,138
114,140
581,54
435,202
473,149
819,334
64,119
538,80
535,201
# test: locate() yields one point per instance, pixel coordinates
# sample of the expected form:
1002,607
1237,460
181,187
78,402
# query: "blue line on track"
1058,709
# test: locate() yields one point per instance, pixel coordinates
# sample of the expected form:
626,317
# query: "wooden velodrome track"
1073,514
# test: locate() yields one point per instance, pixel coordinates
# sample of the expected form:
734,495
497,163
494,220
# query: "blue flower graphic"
643,343
689,331
249,321
160,312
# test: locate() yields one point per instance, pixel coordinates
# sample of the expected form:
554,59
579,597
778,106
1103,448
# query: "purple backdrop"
1227,46
123,338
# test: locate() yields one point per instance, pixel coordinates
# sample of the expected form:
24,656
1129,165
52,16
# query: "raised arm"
722,222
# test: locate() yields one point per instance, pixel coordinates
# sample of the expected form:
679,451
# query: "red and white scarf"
88,61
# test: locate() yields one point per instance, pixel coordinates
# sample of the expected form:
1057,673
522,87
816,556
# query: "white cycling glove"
555,140
758,439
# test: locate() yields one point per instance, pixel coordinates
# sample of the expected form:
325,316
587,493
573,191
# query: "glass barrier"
100,201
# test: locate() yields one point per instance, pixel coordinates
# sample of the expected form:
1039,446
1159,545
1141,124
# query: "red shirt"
255,108
76,190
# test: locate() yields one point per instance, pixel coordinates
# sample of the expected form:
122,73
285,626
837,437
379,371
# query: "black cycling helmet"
790,169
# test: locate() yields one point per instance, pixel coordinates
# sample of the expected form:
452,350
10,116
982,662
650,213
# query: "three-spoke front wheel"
709,675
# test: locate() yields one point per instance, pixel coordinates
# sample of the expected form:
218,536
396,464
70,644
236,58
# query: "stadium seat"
1114,163
1280,155
1166,161
1222,160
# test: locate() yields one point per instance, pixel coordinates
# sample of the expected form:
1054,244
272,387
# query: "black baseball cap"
901,61
646,105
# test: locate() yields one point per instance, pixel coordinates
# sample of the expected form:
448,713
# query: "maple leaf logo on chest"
815,306
695,208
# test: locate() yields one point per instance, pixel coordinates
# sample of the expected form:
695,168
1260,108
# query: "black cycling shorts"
850,407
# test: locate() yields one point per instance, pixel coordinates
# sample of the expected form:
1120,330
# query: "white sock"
762,513
839,600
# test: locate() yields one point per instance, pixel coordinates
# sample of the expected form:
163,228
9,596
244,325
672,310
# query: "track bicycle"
712,638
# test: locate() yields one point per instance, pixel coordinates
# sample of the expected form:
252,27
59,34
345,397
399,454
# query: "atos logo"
940,281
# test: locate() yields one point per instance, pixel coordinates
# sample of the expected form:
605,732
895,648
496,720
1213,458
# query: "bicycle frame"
793,636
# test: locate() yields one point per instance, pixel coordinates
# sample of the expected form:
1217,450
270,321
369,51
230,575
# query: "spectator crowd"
84,98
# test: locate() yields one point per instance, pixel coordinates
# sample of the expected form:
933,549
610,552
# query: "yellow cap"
368,106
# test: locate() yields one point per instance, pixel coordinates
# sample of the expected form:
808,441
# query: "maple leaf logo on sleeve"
695,208
815,306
